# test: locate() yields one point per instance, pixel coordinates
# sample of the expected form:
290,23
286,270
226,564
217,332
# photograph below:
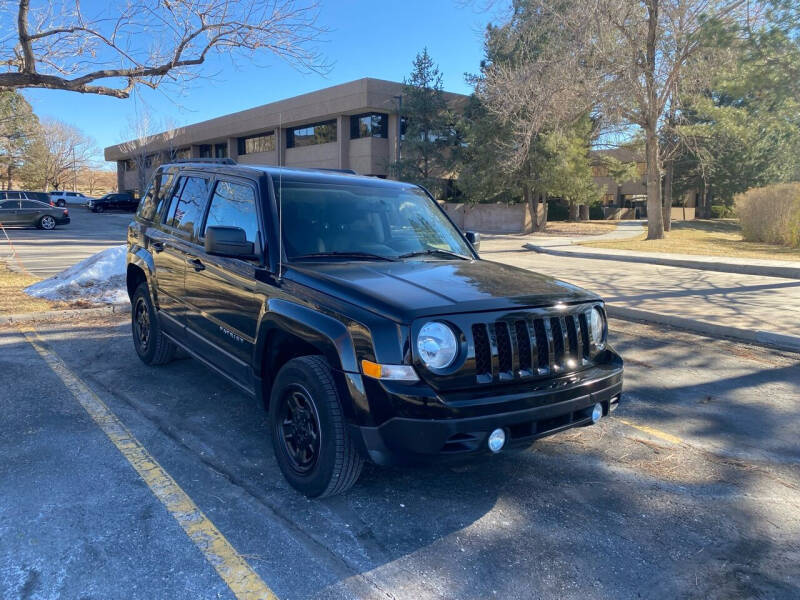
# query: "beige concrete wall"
325,156
369,156
491,218
259,158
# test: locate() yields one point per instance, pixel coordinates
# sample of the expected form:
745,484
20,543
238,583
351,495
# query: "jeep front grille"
530,346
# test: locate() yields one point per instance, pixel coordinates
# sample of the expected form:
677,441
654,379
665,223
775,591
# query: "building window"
599,171
220,150
369,125
152,161
205,150
183,153
309,135
130,165
252,144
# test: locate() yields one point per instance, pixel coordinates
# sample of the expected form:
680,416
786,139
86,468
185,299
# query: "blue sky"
366,39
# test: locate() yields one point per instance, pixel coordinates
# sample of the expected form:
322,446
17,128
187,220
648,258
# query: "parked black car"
32,213
369,326
118,201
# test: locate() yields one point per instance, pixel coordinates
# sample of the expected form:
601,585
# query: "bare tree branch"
59,45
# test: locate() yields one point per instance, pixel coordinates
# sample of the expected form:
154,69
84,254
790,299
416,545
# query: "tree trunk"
543,224
667,202
529,199
655,220
573,211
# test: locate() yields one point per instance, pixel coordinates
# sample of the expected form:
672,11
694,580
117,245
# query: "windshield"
321,219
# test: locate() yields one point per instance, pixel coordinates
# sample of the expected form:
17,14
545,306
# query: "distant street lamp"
399,100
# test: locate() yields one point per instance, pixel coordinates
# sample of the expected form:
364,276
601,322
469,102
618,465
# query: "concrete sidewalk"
724,264
751,308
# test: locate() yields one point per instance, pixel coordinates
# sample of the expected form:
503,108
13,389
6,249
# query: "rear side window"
188,204
9,204
153,200
234,205
33,204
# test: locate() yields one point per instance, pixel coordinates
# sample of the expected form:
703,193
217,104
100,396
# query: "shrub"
556,211
596,212
771,214
720,211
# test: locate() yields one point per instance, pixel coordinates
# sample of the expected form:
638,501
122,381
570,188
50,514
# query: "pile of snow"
99,278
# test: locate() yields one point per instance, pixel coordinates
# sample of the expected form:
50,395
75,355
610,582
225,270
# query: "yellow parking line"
654,432
243,581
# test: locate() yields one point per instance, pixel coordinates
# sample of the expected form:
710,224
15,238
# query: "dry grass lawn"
13,300
721,237
578,228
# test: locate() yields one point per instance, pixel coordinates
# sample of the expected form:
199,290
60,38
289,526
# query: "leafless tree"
57,155
625,61
113,47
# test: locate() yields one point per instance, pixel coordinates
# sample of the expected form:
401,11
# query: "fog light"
597,412
497,439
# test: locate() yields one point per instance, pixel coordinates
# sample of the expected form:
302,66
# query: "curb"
65,315
723,267
780,341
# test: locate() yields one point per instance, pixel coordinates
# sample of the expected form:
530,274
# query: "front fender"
325,333
141,258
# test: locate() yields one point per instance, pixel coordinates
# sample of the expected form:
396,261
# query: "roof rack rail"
218,161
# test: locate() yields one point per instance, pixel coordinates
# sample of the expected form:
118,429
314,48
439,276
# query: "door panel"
9,212
222,310
169,256
222,307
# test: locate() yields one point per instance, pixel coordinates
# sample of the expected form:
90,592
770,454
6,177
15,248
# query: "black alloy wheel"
152,346
309,433
299,429
141,325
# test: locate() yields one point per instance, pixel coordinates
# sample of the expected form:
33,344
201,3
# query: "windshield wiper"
334,254
430,251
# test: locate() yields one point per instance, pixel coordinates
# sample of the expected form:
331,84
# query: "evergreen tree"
429,133
18,130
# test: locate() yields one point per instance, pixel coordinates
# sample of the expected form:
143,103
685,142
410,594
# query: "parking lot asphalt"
691,489
45,253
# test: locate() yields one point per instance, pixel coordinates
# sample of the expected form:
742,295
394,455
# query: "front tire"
47,222
309,436
152,346
98,209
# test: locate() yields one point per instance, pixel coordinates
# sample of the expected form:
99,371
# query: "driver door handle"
196,263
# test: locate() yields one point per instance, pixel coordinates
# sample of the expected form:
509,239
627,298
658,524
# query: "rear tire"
309,436
152,346
47,222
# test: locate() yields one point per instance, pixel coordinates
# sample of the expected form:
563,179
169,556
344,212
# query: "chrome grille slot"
504,357
483,352
545,345
523,346
559,340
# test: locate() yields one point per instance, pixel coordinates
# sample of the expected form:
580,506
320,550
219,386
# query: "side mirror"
474,238
228,241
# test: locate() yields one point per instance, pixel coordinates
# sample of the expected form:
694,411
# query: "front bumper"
524,417
62,220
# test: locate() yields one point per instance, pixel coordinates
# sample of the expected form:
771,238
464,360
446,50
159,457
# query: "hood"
404,291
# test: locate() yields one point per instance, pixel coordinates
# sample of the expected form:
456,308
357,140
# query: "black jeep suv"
362,318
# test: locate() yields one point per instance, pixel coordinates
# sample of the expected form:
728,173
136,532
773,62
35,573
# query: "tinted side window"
14,195
153,200
32,204
9,204
234,205
186,211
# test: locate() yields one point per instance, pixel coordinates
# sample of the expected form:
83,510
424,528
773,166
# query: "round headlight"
597,328
437,345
